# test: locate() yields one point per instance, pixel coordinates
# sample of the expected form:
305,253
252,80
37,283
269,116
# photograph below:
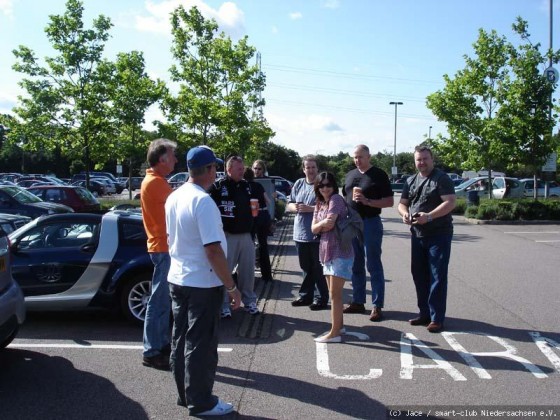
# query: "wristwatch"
429,217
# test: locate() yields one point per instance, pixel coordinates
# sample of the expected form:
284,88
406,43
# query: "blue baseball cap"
201,156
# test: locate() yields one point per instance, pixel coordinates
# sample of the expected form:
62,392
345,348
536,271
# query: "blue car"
77,260
12,307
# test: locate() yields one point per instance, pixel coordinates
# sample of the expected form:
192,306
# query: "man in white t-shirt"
197,277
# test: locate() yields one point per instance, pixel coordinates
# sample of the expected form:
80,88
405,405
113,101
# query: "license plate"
2,264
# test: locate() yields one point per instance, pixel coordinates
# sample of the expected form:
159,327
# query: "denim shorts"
339,267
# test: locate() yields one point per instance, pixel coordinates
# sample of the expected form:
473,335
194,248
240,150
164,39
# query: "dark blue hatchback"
79,260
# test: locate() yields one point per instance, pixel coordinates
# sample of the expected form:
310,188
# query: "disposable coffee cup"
354,191
254,207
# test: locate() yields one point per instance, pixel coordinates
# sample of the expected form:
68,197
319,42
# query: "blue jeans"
370,251
194,350
430,262
156,323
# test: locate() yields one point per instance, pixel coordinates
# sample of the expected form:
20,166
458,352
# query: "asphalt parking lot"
500,347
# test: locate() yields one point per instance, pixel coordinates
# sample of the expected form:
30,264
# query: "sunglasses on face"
325,186
257,169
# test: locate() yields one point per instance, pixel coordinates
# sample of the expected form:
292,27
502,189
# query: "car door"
499,188
51,257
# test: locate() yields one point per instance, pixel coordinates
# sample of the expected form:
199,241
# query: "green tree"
527,105
497,107
219,91
68,95
132,92
468,104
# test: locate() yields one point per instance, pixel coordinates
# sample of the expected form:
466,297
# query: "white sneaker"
226,313
251,308
219,409
341,332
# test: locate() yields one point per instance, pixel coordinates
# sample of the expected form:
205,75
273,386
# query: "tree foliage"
218,90
68,94
497,107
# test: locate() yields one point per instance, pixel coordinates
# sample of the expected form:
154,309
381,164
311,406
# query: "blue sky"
332,66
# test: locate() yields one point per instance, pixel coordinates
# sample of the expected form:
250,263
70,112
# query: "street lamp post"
394,168
430,133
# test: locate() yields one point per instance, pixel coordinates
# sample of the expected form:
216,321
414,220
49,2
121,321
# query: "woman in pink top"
336,258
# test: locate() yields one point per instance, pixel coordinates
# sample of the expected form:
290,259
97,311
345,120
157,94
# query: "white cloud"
296,16
331,4
229,17
7,8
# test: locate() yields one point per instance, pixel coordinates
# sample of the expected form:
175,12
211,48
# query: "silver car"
529,188
502,187
12,305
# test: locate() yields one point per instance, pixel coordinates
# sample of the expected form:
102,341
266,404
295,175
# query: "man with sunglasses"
368,190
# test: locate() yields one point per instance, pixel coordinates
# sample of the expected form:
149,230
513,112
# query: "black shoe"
301,302
160,362
318,305
420,320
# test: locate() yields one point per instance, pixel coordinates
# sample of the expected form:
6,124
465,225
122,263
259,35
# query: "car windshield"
21,195
464,184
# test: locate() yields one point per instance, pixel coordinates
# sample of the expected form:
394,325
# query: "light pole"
430,133
394,168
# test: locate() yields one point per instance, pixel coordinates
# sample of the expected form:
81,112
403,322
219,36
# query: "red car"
80,199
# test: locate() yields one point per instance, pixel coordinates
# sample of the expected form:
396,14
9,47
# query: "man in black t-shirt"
232,195
426,203
367,190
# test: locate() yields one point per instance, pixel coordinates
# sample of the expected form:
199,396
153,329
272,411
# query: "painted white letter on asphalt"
407,364
546,345
323,362
509,353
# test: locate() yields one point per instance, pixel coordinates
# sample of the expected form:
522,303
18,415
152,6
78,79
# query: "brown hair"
329,176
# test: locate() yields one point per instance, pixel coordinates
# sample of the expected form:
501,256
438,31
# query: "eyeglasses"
325,186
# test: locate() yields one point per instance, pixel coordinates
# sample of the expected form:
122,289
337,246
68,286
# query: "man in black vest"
426,203
232,194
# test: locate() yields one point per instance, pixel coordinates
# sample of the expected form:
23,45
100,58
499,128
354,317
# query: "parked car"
282,184
529,188
12,306
178,179
80,199
110,188
119,186
80,260
11,222
17,200
96,188
135,182
502,187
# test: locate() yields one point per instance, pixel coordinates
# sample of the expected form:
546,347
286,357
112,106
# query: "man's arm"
447,206
403,210
218,262
380,203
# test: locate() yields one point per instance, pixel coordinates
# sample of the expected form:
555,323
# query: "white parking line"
549,241
532,233
91,346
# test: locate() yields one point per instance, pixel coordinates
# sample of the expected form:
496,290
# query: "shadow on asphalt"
64,391
335,400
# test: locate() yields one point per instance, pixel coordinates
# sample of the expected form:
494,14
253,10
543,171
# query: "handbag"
349,227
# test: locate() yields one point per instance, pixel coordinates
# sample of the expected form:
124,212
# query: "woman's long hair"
328,176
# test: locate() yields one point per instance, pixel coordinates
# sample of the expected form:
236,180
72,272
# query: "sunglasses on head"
325,186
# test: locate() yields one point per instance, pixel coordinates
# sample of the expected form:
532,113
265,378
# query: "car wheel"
9,339
134,298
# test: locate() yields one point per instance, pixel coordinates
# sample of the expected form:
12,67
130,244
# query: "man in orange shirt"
153,194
